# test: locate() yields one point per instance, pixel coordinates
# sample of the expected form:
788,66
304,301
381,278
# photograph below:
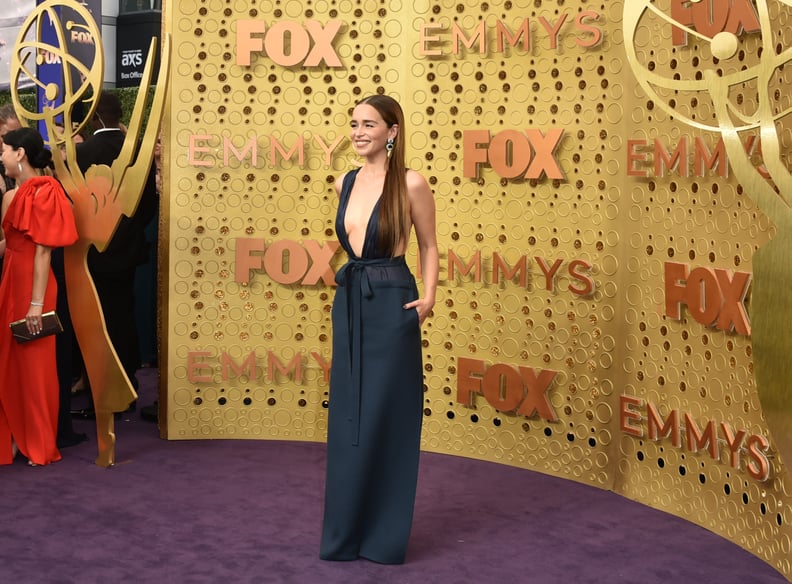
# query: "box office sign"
135,31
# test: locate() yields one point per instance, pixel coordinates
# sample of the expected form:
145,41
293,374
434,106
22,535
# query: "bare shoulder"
8,196
339,181
421,201
417,185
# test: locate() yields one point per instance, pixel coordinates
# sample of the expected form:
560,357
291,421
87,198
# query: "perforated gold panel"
565,225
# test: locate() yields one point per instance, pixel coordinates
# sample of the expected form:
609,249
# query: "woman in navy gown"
376,378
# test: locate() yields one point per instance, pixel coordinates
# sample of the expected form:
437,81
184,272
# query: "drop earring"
389,146
19,167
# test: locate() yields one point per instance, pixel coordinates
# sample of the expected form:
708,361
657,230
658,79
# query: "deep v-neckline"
367,233
372,228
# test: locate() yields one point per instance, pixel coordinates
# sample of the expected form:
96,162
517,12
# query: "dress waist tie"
354,276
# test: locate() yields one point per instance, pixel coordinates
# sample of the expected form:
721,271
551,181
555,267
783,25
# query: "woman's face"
10,158
369,132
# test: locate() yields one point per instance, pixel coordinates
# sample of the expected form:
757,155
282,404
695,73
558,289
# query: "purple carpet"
231,512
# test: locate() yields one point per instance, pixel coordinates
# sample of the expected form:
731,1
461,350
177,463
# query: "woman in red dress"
36,216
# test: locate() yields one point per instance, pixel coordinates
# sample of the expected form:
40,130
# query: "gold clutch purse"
50,325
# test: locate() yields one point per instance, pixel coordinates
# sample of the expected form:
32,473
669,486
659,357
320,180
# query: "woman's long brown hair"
394,216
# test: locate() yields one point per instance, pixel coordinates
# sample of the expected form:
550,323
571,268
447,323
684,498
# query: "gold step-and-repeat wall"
611,191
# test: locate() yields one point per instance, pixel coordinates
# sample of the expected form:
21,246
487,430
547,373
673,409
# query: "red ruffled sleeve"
42,211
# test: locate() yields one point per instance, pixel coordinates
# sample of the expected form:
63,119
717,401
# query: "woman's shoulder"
42,190
346,175
416,183
45,180
345,178
43,212
8,196
339,182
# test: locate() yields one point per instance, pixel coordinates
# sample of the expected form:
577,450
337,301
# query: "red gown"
40,213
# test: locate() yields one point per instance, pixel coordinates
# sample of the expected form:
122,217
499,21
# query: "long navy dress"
376,385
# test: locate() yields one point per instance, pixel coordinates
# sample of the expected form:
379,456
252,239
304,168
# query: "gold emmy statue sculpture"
746,95
100,196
